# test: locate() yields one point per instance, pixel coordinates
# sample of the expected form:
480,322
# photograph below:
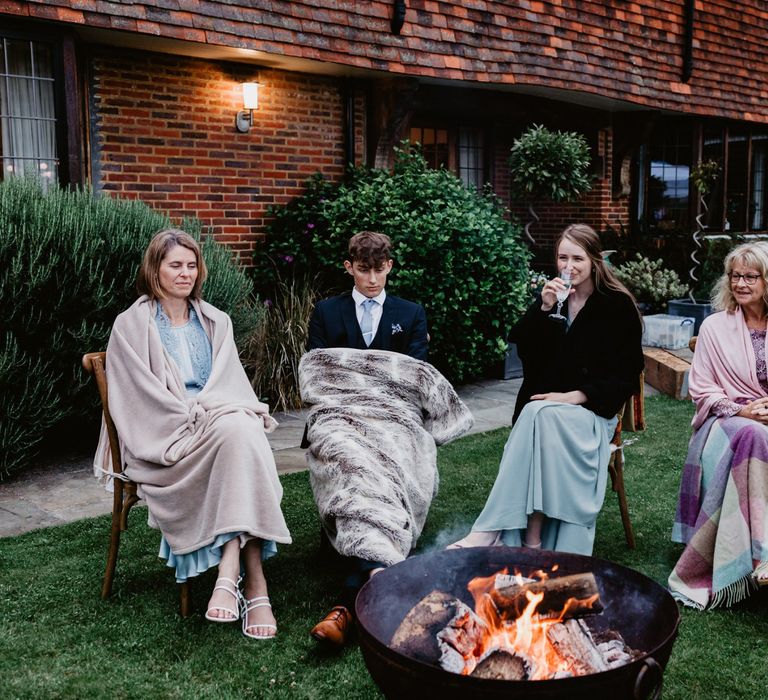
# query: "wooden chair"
125,495
630,417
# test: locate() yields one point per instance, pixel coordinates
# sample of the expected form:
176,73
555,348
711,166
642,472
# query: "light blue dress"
555,462
190,349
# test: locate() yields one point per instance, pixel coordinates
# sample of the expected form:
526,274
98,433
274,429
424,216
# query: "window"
434,146
471,169
712,149
28,109
758,215
460,150
667,200
736,180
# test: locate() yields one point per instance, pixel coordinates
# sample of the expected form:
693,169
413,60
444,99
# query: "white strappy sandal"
233,588
260,601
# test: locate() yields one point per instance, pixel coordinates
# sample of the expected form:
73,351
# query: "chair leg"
114,540
617,474
131,500
185,599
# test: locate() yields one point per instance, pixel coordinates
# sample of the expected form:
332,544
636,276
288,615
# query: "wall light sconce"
244,119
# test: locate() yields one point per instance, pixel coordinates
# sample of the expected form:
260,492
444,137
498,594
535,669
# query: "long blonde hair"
754,255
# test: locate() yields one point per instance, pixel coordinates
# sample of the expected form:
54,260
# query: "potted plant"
650,282
703,176
548,165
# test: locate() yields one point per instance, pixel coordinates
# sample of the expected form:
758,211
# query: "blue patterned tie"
366,323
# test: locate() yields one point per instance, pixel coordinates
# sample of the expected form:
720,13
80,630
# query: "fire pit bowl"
643,612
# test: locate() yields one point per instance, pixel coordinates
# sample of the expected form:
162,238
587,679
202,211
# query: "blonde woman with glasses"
721,514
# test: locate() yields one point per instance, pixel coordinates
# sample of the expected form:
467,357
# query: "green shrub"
289,248
454,252
651,283
68,263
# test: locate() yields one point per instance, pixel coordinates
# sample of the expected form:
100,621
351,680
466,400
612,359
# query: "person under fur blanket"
366,317
374,421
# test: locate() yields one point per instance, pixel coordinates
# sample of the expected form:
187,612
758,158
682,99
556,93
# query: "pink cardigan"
724,364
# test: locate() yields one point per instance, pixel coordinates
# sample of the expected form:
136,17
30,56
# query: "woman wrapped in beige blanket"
193,434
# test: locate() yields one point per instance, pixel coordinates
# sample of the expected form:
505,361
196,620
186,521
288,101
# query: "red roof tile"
629,50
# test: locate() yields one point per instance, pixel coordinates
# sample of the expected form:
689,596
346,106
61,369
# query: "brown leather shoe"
335,628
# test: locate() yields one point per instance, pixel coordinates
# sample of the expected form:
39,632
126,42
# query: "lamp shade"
250,95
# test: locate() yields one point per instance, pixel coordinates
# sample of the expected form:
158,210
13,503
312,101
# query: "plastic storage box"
665,331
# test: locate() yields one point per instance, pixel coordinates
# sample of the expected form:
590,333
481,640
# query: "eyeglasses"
749,279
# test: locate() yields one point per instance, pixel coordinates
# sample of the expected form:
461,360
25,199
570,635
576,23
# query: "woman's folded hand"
756,410
574,397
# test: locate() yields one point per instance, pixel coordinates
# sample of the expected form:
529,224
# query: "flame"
526,635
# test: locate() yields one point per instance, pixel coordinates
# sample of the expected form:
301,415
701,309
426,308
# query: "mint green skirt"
555,462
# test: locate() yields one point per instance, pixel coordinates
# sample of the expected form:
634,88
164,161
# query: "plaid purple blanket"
721,513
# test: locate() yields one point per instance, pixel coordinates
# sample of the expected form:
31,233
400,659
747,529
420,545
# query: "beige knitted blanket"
203,463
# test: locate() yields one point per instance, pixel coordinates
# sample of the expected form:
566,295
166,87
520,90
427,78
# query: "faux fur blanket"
202,463
373,425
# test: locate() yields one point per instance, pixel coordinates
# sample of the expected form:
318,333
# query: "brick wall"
165,134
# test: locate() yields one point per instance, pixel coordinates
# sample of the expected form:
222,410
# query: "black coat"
601,354
402,328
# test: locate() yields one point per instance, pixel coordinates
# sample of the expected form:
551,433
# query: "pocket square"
396,328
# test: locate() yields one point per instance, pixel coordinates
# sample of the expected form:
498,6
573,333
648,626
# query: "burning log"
502,664
521,629
574,643
616,653
417,634
614,649
460,641
572,596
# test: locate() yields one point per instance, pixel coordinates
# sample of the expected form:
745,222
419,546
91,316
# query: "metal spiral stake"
696,263
535,220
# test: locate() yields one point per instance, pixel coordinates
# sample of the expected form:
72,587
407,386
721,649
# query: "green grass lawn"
59,640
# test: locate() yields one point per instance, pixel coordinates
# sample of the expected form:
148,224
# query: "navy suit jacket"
402,328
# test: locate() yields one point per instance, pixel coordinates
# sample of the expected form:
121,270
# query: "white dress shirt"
376,311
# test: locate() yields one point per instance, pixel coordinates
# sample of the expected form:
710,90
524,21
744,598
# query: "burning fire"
523,634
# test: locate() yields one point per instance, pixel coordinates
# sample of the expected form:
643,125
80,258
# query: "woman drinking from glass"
579,369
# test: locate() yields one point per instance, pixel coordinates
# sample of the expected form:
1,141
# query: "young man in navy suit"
365,318
396,324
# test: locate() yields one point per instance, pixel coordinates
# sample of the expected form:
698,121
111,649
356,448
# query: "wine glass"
562,294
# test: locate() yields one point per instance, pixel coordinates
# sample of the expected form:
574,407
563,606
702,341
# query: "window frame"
697,135
66,91
452,129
